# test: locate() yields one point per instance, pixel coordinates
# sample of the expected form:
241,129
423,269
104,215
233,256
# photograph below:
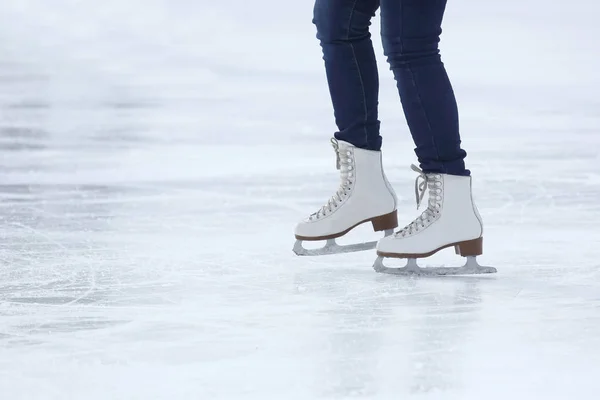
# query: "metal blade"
471,267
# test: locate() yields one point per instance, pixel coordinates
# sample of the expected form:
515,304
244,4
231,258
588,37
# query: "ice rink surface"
156,155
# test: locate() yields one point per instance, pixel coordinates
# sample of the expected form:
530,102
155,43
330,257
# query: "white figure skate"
450,220
364,195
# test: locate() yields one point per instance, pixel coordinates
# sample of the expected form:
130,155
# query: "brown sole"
466,249
380,223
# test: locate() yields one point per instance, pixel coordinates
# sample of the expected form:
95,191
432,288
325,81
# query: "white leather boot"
364,195
450,220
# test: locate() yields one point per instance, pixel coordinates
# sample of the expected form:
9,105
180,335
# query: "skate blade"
331,247
471,267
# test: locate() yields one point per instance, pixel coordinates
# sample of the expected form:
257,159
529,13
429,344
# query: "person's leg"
351,69
410,32
364,194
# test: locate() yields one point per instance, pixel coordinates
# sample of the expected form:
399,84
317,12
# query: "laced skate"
450,220
364,195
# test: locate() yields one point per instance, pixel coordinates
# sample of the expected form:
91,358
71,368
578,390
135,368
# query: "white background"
156,155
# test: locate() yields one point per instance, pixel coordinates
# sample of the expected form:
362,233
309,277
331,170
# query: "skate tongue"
420,185
339,148
336,148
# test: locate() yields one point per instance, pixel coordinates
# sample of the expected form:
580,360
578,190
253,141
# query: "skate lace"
343,163
424,181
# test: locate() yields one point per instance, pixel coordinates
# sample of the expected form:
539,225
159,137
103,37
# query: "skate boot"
364,195
450,220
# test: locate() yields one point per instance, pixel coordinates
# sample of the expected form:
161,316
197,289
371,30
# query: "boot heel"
470,248
385,222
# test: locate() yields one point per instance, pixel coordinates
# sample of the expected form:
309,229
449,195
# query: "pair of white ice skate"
365,195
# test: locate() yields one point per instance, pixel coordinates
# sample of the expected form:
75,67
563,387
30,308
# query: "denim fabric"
410,31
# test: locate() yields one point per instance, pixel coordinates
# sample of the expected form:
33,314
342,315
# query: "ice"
155,156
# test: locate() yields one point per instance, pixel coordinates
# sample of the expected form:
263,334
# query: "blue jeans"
410,31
